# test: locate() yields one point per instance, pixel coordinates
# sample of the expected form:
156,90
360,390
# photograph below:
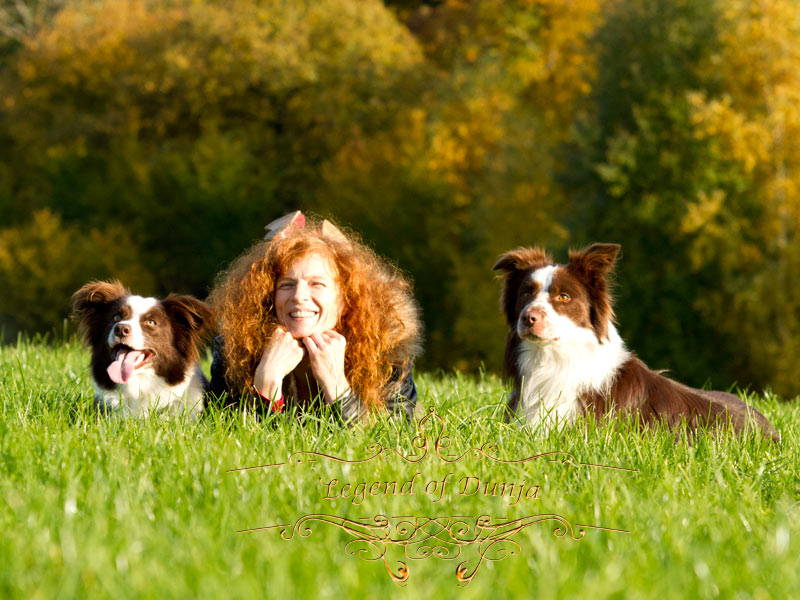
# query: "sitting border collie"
144,350
565,357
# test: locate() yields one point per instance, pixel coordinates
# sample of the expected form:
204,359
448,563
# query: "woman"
312,316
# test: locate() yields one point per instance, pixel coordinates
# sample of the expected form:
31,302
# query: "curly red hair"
379,317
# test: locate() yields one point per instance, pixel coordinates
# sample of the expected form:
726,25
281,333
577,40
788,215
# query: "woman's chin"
300,332
303,330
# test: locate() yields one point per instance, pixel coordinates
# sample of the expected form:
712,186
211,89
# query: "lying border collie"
565,357
144,350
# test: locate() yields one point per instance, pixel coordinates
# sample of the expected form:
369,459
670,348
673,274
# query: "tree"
639,167
752,231
467,170
191,124
44,262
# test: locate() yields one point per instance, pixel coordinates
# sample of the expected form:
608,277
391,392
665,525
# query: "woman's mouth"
302,314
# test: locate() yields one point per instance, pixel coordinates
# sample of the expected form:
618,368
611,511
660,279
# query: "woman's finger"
337,338
320,339
311,344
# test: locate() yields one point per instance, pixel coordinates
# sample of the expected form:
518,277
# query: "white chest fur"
146,393
554,374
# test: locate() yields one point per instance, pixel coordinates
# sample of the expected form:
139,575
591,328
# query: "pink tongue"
120,370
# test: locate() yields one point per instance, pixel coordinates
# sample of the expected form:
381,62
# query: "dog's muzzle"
533,322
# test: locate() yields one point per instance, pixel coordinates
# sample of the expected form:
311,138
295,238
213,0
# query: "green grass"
91,507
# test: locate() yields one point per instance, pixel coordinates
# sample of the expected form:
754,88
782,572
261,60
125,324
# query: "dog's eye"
526,294
563,297
151,322
117,318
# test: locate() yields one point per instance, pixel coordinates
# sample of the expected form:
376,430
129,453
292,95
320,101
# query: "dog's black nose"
122,330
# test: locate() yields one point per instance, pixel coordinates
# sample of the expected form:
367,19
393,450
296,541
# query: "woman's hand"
326,357
282,354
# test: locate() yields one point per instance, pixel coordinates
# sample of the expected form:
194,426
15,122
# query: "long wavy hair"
379,317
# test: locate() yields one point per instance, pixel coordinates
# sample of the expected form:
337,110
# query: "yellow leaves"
758,120
760,49
145,66
465,136
177,60
701,212
566,64
45,260
27,71
751,234
744,140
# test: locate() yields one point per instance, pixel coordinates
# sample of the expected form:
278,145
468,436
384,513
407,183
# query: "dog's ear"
593,264
97,293
522,259
192,318
596,260
188,310
91,300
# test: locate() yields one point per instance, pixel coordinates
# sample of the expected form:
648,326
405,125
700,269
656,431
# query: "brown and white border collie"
144,350
565,357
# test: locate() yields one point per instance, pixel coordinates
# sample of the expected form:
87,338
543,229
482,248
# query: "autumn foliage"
152,139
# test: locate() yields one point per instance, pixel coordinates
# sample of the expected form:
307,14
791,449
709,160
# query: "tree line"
151,140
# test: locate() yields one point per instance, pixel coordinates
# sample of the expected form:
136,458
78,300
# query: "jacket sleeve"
403,401
217,385
219,392
400,403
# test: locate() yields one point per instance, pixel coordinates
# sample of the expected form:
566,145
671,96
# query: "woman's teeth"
302,314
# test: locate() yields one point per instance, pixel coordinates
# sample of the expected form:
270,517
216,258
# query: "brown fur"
591,266
637,389
93,307
655,399
181,322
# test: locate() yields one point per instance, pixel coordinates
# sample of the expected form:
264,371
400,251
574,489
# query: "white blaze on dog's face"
141,331
127,328
553,306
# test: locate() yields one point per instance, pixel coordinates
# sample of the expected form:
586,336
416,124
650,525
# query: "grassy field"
91,507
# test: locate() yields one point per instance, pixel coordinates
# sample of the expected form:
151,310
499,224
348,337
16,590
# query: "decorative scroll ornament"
445,538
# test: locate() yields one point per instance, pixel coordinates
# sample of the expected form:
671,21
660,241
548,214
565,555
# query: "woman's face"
307,297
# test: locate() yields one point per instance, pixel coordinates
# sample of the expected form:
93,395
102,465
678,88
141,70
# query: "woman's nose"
302,290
